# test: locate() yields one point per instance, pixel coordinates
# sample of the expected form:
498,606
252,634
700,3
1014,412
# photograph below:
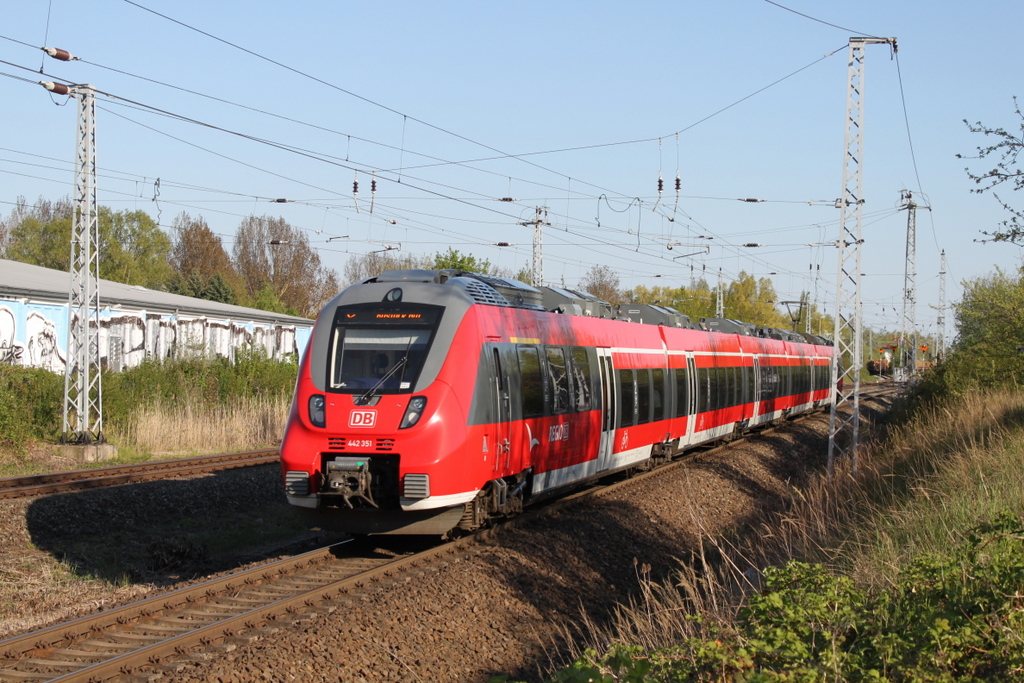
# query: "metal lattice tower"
844,429
720,299
538,223
908,326
83,412
940,322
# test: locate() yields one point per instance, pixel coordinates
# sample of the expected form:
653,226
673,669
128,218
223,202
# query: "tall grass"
919,491
166,427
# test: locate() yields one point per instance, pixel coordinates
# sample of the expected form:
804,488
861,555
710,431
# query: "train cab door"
609,409
502,410
691,395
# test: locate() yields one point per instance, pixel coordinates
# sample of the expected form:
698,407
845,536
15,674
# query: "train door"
609,409
503,410
756,399
691,408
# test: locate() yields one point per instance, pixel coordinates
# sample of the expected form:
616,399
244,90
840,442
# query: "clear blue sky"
406,86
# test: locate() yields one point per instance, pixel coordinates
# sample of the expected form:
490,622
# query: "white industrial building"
136,323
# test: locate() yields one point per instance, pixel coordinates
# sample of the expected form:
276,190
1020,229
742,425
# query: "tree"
454,259
198,258
362,266
133,250
1006,148
603,282
269,251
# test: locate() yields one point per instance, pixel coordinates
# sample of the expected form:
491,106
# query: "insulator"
355,187
502,244
373,185
679,183
281,201
751,200
506,199
58,88
57,53
661,184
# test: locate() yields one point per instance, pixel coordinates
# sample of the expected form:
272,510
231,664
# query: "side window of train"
580,379
658,394
682,391
643,396
627,400
704,389
559,376
532,381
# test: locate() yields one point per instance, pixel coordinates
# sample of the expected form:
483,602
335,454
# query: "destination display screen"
387,315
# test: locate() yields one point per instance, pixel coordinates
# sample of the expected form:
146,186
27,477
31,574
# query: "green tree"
1005,149
454,259
41,235
133,249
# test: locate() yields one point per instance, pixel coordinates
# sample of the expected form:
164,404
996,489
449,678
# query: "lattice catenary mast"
846,366
83,389
940,322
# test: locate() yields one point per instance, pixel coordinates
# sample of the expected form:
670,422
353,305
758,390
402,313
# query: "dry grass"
918,490
198,427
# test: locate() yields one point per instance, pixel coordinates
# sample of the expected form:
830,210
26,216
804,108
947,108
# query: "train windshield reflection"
361,358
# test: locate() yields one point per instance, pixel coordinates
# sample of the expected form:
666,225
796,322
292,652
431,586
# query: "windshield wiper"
373,390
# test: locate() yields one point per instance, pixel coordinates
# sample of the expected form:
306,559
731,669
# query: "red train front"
430,400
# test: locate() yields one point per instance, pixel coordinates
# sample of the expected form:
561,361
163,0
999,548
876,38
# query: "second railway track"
75,480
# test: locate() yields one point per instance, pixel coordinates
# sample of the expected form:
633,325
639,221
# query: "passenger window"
643,396
682,392
658,394
580,379
627,403
559,379
532,383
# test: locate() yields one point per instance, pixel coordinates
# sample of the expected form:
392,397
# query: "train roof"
499,291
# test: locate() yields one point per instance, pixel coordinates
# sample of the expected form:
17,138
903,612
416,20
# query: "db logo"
362,418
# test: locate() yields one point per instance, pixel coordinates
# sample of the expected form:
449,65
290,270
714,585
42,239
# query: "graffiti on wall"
11,351
34,337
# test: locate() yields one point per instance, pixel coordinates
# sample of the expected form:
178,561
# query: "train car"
433,401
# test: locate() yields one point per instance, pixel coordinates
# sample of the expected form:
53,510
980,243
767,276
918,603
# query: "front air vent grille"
361,445
416,486
296,483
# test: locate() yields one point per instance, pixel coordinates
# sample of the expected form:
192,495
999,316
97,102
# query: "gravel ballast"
505,607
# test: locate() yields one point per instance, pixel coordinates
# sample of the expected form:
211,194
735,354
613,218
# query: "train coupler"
351,479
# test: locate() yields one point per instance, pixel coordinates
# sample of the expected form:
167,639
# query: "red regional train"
432,401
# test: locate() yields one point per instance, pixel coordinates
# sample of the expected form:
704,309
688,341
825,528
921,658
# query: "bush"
31,406
958,616
31,399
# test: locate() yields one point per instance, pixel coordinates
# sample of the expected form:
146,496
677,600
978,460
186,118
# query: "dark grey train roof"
22,280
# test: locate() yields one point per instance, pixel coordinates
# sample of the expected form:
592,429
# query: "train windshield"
371,351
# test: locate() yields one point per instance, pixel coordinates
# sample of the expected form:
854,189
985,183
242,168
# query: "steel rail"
36,644
74,480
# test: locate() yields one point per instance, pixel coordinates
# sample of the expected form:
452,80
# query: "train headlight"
317,414
417,404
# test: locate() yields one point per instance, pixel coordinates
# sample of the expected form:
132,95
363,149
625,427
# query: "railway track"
154,637
75,480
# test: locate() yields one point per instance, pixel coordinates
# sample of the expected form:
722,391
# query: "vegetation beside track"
190,406
909,569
